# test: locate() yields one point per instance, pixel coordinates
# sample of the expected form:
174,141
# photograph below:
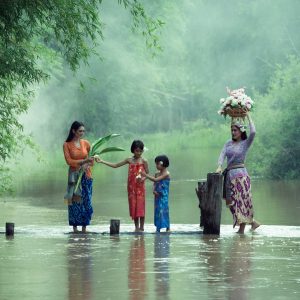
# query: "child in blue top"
161,193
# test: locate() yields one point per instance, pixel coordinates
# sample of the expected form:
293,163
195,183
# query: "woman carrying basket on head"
237,185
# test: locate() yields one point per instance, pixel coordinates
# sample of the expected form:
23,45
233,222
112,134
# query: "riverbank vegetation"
171,99
39,38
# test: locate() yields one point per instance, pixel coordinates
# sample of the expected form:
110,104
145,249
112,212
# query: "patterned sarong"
161,204
136,191
240,195
80,213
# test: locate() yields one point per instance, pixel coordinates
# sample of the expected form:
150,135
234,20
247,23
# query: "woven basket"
236,112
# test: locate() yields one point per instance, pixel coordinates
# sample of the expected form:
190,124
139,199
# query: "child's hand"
156,194
139,176
143,173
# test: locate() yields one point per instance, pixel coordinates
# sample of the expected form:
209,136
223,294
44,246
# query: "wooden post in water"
114,226
210,203
201,193
9,228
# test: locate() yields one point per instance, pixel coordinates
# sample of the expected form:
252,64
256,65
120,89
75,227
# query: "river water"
45,261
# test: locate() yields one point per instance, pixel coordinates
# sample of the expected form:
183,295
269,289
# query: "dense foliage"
277,150
36,37
207,45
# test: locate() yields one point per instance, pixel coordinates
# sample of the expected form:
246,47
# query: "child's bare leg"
75,230
142,222
83,229
168,229
136,224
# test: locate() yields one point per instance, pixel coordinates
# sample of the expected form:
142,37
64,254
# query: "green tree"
208,45
34,34
277,150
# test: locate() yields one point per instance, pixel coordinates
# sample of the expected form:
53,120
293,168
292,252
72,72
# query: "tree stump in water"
9,228
210,203
114,226
201,193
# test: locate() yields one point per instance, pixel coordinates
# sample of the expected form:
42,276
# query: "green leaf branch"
95,150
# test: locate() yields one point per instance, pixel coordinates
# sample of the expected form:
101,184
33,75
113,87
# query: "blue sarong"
161,204
80,212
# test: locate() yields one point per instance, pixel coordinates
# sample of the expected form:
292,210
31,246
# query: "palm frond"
100,142
110,149
79,180
95,151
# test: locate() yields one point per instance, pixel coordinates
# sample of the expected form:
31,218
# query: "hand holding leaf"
95,152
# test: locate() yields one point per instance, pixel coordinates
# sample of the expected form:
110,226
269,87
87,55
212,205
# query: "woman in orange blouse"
76,152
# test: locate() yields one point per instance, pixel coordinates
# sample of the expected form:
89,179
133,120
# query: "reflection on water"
79,268
211,255
238,267
137,269
228,264
161,265
180,265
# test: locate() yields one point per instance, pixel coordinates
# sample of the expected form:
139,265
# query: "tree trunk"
210,203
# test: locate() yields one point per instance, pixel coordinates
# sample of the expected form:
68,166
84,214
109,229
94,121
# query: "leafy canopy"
36,33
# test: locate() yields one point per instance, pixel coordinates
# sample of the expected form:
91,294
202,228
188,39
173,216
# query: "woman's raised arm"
252,131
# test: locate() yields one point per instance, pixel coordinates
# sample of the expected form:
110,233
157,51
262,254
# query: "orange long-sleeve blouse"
74,155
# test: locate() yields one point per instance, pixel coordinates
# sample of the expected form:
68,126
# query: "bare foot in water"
241,229
75,230
254,225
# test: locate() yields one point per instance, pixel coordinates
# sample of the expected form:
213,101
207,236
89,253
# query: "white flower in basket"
237,104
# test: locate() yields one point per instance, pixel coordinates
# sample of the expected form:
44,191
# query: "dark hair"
164,159
243,133
75,125
136,144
